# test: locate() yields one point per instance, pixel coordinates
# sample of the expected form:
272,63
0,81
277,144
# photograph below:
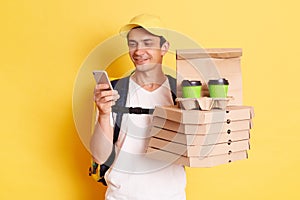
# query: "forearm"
102,140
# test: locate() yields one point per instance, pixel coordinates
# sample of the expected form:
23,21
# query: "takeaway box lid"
208,53
232,113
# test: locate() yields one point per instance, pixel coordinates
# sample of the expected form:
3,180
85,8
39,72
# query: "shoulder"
172,82
117,83
171,79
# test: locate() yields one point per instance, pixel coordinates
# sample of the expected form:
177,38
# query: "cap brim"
155,31
125,29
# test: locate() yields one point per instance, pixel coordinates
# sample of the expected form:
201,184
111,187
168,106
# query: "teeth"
140,60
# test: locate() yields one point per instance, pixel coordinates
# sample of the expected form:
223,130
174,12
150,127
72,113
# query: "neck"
149,80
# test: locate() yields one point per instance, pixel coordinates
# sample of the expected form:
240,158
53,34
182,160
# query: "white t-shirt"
132,175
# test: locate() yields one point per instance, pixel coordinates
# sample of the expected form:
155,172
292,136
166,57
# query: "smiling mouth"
140,60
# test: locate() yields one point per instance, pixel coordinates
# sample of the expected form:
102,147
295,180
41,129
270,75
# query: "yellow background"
43,44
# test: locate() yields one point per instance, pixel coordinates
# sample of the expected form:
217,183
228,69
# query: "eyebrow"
145,40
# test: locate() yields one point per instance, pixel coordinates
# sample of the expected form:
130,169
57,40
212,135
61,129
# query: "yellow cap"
151,23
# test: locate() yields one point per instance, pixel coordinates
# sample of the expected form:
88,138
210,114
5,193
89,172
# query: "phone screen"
101,77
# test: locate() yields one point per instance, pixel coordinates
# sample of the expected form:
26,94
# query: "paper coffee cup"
218,88
191,88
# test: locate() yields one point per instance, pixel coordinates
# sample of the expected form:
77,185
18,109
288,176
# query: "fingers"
115,95
106,95
104,98
101,87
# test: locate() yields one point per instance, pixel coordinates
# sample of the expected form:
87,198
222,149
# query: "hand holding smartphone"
101,77
104,97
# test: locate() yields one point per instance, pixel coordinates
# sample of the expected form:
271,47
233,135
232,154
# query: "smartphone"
101,77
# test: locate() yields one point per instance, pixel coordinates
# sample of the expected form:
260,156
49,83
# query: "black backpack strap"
173,86
132,110
121,85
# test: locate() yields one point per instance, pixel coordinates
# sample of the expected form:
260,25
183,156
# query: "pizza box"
209,161
191,139
232,113
202,129
199,150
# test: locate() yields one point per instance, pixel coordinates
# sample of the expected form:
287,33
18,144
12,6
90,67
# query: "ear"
164,48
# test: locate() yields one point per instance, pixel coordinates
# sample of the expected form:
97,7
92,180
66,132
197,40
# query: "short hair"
162,38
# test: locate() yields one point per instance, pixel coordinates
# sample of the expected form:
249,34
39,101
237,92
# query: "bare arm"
102,140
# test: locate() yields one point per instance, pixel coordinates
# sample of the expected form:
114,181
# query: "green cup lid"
221,81
190,83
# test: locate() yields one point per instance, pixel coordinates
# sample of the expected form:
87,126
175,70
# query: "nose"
139,50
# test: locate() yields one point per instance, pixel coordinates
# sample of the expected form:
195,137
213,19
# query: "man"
133,176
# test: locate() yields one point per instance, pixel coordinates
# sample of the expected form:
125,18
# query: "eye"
148,44
132,44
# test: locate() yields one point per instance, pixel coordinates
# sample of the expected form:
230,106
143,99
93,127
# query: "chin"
145,67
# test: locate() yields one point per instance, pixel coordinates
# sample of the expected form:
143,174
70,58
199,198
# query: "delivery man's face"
144,49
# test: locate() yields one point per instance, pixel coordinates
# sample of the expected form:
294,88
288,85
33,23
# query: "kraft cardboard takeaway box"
203,138
206,64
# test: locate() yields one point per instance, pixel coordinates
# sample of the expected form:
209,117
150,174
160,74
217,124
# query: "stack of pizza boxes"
204,137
